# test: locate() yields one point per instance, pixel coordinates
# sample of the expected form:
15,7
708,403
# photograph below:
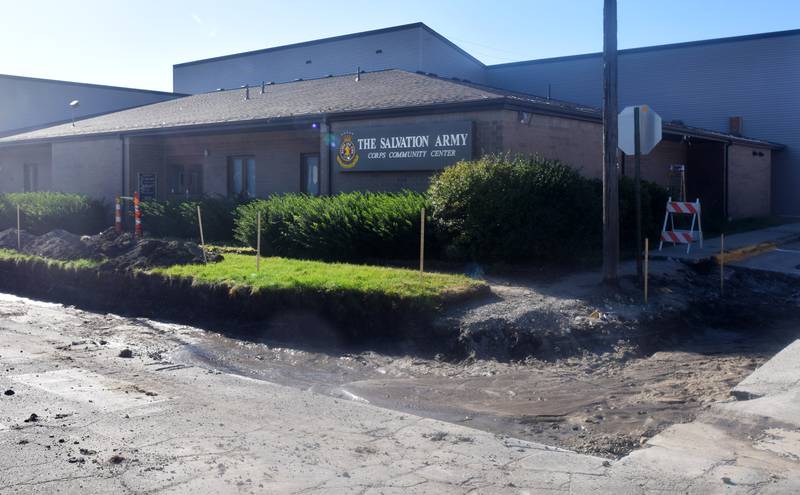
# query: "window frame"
26,177
246,182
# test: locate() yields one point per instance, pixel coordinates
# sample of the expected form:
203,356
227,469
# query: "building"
385,131
751,81
411,47
30,102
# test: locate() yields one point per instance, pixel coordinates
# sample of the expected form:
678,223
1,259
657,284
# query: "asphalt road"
82,419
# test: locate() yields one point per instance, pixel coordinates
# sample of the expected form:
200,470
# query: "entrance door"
309,174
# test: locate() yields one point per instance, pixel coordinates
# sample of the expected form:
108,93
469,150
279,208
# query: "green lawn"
284,273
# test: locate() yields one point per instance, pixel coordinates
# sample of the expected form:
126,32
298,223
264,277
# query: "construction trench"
556,360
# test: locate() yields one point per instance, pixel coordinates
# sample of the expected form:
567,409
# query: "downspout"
725,214
122,161
328,154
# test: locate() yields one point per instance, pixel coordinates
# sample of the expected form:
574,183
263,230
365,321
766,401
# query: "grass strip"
293,274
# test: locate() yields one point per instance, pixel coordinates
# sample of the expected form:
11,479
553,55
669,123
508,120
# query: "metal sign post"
639,133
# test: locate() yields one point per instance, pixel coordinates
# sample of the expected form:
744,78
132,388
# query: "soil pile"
119,251
148,253
110,243
58,244
8,239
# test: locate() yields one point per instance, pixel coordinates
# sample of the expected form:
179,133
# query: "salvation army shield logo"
347,157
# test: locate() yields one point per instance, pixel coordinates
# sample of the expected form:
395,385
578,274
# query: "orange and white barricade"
137,215
118,214
682,236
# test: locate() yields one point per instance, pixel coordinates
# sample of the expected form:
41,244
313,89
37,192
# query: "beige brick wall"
277,155
579,144
12,165
655,165
88,166
749,182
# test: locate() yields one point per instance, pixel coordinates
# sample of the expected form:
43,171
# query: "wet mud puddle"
599,404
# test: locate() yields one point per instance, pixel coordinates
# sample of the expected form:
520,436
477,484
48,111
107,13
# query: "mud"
573,366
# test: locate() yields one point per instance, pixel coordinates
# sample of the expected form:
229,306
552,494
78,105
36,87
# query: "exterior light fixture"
73,105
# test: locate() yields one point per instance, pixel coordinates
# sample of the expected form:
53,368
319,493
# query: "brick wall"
749,179
12,165
277,155
88,166
579,144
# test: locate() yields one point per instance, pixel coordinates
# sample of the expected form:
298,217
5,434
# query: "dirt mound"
58,244
121,251
156,252
110,243
8,239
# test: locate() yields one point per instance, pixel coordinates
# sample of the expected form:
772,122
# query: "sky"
135,43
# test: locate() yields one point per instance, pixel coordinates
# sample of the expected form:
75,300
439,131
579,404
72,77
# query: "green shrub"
517,208
346,227
179,218
42,212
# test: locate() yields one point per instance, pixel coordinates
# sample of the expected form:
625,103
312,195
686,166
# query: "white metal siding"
702,85
400,50
28,102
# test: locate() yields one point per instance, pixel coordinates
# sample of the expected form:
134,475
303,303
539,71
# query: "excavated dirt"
58,244
118,251
8,239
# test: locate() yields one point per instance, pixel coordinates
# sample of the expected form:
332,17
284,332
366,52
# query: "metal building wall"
30,102
412,48
702,84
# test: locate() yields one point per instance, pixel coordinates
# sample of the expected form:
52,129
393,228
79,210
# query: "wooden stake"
422,242
202,239
258,242
646,265
19,236
722,264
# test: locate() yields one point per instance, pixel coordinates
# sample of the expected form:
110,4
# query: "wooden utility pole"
610,174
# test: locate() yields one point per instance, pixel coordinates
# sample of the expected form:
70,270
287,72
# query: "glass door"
309,174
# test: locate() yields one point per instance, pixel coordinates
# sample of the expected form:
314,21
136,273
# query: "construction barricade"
682,236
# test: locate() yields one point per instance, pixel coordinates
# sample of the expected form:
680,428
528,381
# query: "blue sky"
135,43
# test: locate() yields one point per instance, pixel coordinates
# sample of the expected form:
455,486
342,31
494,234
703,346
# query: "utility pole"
610,174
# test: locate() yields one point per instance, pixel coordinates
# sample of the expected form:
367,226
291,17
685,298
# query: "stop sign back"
649,129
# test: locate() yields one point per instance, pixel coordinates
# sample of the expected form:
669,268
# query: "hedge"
518,208
42,212
179,218
346,227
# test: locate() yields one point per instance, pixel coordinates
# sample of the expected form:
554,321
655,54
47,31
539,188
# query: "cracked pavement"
82,419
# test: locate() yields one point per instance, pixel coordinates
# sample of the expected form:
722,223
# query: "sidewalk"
752,242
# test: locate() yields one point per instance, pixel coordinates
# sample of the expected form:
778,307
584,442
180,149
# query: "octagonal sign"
649,129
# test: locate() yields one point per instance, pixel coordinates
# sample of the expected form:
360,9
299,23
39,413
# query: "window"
309,174
31,182
185,180
242,176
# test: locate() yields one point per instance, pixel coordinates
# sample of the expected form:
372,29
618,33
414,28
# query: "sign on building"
407,147
148,185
